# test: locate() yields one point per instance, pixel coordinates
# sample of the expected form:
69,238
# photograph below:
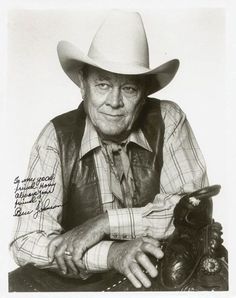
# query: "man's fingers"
143,260
59,255
139,274
53,246
151,240
77,258
152,249
133,279
70,265
61,264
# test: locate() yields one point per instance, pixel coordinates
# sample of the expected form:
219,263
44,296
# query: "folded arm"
183,171
34,232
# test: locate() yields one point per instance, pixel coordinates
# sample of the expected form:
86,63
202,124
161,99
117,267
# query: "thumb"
53,244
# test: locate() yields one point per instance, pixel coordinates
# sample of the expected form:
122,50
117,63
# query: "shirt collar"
91,140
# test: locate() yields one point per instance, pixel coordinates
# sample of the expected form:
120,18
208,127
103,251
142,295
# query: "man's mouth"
113,116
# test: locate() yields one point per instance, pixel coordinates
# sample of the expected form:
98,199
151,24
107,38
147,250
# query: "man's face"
112,102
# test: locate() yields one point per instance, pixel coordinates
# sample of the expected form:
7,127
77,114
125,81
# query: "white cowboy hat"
119,46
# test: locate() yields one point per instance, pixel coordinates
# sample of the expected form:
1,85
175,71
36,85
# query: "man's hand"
77,241
126,258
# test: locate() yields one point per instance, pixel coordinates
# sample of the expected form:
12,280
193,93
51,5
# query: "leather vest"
81,191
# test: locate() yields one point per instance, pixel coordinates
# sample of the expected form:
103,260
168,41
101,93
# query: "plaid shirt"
183,171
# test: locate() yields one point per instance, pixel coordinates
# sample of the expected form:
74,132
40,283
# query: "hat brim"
72,60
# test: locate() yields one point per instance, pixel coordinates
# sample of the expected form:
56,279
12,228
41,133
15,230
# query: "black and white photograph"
117,159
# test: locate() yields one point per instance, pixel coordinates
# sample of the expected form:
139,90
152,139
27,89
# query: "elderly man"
120,163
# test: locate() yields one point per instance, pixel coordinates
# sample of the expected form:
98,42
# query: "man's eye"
130,90
103,86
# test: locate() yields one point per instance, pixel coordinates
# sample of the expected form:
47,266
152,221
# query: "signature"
43,206
32,195
19,212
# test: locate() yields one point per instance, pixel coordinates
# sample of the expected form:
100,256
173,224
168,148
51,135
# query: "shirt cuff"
155,219
126,224
95,259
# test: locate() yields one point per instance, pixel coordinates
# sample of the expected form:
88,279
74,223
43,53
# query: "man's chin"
115,136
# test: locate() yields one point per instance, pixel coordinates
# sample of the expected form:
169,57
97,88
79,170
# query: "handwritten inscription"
32,195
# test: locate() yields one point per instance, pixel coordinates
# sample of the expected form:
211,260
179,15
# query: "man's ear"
81,83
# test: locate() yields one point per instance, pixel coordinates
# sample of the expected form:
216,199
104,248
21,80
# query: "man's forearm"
95,259
82,247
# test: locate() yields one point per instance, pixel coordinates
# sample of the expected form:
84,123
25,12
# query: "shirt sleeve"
183,171
38,226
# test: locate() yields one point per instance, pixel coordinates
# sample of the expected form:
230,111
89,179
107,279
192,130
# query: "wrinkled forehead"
103,75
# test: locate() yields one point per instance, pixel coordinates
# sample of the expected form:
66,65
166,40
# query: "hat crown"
121,39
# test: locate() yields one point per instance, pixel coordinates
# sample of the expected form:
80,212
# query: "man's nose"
114,98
